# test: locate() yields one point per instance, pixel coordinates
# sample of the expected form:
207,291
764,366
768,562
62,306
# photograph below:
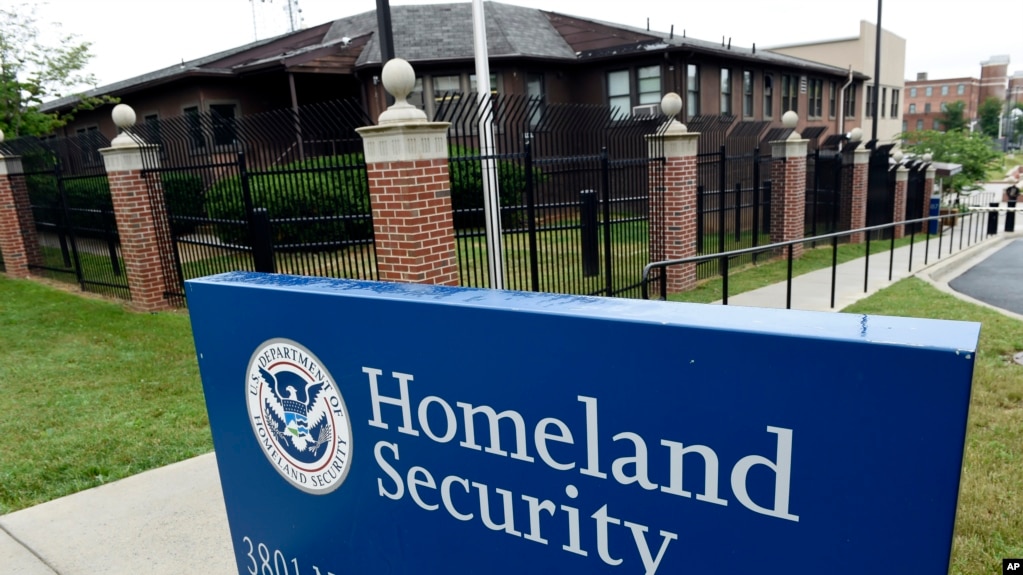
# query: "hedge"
330,190
88,194
467,188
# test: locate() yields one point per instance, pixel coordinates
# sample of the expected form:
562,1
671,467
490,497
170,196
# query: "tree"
954,117
32,73
990,113
972,151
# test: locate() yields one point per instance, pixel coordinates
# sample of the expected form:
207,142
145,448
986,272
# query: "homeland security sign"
366,428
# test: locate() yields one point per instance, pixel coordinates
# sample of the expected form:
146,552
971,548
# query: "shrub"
183,193
321,191
467,189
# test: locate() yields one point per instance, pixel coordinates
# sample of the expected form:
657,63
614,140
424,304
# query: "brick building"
927,99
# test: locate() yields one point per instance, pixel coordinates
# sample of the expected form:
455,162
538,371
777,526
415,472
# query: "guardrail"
964,220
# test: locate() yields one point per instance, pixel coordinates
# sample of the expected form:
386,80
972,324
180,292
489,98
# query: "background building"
858,53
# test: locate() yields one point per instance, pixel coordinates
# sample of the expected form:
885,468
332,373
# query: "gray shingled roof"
444,32
439,32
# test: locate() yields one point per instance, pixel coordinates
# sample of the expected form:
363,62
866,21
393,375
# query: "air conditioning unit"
647,110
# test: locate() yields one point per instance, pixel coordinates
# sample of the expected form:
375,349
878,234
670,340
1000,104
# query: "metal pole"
491,193
386,39
877,75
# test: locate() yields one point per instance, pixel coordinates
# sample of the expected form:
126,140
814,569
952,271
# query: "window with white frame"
961,89
832,97
768,95
815,98
870,101
747,93
619,96
692,90
648,84
789,93
849,101
895,103
726,92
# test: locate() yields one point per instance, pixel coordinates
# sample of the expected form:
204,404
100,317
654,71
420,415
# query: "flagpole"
491,192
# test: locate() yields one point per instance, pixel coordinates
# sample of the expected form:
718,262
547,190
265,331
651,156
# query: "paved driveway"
998,280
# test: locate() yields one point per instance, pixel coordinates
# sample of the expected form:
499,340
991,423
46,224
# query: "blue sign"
368,427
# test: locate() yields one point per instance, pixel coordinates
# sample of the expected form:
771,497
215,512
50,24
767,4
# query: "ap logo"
298,416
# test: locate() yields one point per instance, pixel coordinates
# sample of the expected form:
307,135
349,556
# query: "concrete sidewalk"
172,520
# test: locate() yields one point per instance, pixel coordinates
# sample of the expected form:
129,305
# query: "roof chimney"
920,76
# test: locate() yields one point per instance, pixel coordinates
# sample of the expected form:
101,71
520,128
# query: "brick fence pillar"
141,221
19,243
410,189
853,208
899,207
672,205
788,192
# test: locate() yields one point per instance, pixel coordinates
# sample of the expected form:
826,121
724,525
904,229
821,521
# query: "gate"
283,191
73,211
733,205
880,191
915,189
574,185
823,192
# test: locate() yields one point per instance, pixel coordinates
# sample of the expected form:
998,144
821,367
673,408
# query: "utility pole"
877,76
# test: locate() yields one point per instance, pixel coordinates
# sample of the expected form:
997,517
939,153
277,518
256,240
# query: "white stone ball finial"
897,156
1,136
124,118
790,120
399,80
856,135
928,157
671,105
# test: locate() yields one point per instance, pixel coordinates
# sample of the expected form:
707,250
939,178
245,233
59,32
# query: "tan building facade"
857,53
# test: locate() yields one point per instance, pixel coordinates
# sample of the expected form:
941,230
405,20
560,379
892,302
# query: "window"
961,89
89,142
912,108
895,103
927,108
493,83
648,80
912,92
195,127
692,90
747,93
726,92
815,98
151,124
768,96
789,93
905,126
944,89
619,97
849,101
919,125
832,94
884,102
944,106
417,98
870,101
222,119
537,101
937,124
929,91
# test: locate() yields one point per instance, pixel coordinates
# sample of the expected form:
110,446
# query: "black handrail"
724,257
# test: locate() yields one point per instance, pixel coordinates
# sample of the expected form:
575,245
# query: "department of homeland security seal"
298,416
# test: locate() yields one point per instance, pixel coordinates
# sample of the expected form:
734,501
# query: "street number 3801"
265,562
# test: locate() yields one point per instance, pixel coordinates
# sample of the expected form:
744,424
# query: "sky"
946,38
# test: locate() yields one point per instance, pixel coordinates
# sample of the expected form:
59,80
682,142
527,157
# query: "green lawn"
92,393
989,522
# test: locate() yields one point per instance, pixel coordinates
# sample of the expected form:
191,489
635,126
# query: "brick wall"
899,211
788,192
412,221
18,241
853,206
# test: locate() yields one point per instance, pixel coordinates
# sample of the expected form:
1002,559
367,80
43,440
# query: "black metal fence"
283,191
574,186
73,211
880,191
824,173
733,204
